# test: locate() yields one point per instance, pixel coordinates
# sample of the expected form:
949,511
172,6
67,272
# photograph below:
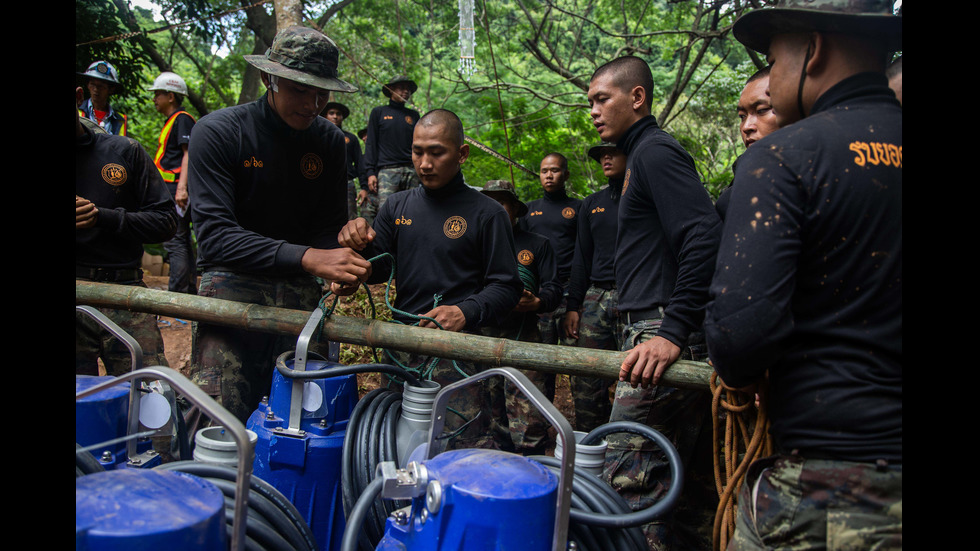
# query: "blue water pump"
103,420
127,508
475,500
301,430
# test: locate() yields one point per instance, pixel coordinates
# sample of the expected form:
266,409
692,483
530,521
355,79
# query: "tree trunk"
288,13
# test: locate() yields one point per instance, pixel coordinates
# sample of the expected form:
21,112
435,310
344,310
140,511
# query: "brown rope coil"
745,439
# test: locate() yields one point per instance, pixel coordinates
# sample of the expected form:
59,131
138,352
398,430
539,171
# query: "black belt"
106,275
634,316
607,285
820,454
398,165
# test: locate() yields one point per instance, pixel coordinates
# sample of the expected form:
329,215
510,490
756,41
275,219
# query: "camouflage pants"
788,502
235,366
639,470
370,208
352,188
92,341
599,328
468,415
393,180
518,425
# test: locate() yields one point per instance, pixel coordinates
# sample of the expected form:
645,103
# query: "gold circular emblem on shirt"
310,165
525,257
568,212
114,175
454,227
346,139
409,120
626,182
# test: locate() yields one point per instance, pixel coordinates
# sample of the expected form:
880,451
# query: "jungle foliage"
525,98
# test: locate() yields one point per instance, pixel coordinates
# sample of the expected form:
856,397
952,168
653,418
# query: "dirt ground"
177,347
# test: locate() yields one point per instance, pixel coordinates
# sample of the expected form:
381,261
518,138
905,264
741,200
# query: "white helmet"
169,82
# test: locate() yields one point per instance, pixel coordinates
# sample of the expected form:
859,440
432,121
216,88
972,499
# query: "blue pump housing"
486,500
306,467
150,510
102,417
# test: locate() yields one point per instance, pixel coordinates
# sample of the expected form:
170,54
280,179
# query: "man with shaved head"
667,238
452,252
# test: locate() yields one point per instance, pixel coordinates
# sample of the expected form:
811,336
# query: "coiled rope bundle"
746,438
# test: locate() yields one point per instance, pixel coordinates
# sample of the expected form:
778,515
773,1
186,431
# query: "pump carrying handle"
195,395
299,364
550,412
136,355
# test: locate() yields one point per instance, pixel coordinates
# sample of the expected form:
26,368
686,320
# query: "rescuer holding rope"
268,189
453,257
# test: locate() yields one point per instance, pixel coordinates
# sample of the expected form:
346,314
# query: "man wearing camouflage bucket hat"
388,151
268,182
808,284
518,425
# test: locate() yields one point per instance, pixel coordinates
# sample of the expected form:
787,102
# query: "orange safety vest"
169,175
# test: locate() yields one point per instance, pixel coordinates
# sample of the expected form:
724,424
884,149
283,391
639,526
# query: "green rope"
425,368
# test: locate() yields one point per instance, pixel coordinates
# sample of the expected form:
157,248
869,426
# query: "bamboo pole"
379,334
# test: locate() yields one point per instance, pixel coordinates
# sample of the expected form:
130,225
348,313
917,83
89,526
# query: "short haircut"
761,73
894,69
629,72
562,160
447,119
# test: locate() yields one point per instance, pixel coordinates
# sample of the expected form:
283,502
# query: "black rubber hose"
592,497
265,510
340,370
258,487
355,519
264,537
361,455
658,509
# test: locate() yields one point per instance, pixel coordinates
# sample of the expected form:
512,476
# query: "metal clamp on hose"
550,412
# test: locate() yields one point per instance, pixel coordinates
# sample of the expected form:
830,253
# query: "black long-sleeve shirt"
453,243
389,138
355,161
554,216
535,255
808,283
668,232
117,174
264,193
595,242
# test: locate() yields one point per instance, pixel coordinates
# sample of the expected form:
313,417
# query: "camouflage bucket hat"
868,18
505,189
303,55
596,150
386,89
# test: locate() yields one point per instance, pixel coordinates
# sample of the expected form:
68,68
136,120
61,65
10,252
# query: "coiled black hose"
369,441
354,533
273,522
591,496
